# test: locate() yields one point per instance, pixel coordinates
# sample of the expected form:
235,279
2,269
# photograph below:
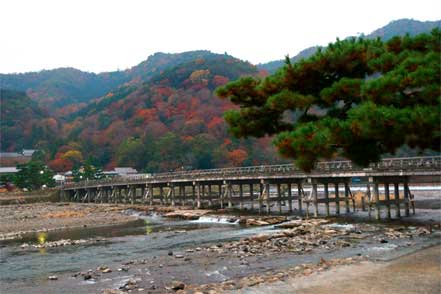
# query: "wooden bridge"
279,188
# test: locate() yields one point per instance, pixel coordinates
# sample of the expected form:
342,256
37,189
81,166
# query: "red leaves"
220,80
237,156
60,165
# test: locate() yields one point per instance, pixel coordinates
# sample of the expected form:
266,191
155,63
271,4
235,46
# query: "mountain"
394,28
272,66
57,88
23,124
404,26
172,121
62,86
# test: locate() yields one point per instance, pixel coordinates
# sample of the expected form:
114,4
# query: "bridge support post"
377,201
387,198
337,199
161,195
260,199
181,196
326,188
210,195
193,195
369,196
268,196
151,194
124,195
315,197
300,197
112,194
397,199
145,194
240,196
348,210
142,194
99,195
198,195
119,196
289,198
132,191
203,195
406,199
251,192
279,198
230,195
89,195
172,194
221,196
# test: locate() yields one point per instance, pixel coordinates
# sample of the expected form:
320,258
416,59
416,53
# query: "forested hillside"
59,87
399,27
23,124
69,87
172,121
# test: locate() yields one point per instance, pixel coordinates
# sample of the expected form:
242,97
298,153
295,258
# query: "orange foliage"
220,80
164,91
214,122
227,142
60,165
237,156
147,114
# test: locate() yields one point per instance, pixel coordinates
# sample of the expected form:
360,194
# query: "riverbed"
152,252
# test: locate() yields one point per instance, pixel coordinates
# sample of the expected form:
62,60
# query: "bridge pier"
230,194
397,200
347,198
315,198
326,191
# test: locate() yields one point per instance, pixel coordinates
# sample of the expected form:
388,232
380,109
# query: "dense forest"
160,115
23,122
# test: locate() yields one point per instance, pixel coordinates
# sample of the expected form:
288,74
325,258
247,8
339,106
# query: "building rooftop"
125,170
8,170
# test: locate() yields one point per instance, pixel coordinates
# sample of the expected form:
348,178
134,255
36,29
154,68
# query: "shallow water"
149,236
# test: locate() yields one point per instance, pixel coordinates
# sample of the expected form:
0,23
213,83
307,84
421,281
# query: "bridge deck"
271,185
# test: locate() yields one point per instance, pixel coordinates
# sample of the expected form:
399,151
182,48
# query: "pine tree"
356,99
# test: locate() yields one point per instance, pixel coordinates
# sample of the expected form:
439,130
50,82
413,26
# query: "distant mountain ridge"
63,86
57,88
394,28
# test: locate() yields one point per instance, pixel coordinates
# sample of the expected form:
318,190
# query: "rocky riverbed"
178,252
22,219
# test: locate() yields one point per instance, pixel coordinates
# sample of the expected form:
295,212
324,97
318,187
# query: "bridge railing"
387,164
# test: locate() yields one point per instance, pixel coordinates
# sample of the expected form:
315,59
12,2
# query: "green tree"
134,152
33,175
87,172
357,99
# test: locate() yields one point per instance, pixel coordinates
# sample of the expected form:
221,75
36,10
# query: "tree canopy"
34,175
356,99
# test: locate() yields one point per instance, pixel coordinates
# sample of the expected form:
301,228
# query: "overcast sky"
107,35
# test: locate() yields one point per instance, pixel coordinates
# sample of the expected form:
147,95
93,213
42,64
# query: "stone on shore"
178,285
187,214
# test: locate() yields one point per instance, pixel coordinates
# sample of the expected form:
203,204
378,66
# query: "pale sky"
95,35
